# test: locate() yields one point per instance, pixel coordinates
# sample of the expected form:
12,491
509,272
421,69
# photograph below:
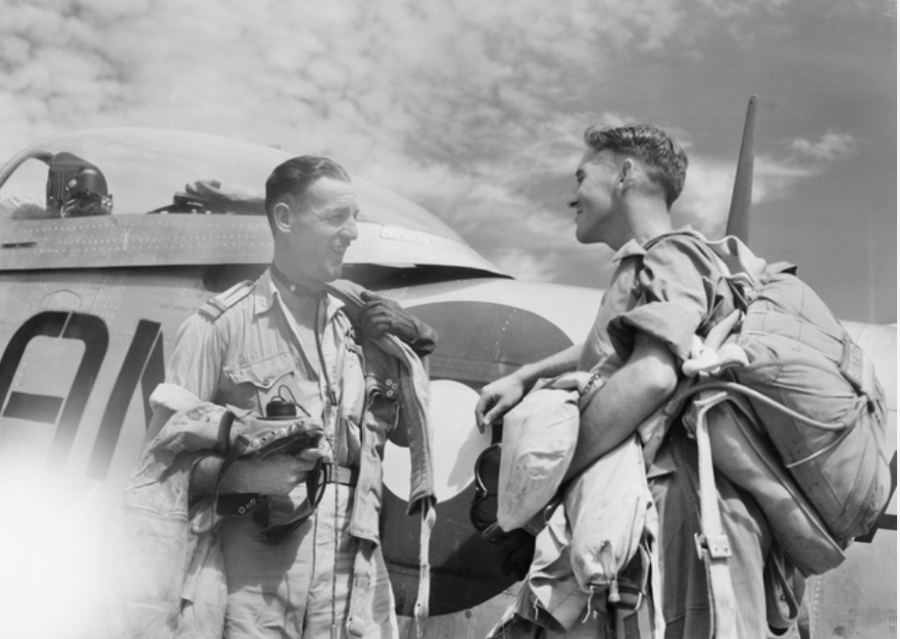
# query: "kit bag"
539,439
831,437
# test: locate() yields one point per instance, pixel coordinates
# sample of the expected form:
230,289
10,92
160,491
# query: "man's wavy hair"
664,160
295,176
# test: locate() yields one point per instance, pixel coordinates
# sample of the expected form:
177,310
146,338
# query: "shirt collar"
266,293
632,248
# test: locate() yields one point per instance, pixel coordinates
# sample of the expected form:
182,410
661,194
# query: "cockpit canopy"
133,196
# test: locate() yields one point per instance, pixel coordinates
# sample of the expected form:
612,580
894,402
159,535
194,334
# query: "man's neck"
296,285
301,301
648,219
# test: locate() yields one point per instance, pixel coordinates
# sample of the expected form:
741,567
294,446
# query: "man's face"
593,200
323,224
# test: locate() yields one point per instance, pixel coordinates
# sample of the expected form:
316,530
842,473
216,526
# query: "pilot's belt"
344,475
315,486
243,503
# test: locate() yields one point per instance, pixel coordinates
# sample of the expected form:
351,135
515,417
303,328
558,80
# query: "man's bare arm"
630,396
500,396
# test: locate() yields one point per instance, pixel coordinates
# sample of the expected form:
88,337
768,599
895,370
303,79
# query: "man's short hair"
665,161
295,176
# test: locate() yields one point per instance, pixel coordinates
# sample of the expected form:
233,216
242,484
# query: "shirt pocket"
353,384
382,407
255,384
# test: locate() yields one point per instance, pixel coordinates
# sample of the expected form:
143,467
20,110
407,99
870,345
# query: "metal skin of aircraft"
107,243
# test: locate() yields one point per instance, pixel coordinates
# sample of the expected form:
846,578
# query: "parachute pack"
811,397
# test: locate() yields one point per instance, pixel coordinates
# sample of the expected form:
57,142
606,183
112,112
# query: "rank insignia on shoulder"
216,306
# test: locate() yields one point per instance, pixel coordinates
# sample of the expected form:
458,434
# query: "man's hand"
380,315
211,193
498,398
322,452
275,475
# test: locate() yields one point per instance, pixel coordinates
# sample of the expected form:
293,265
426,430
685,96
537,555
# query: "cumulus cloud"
830,147
706,196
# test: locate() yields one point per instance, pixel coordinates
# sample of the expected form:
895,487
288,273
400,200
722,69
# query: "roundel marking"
478,342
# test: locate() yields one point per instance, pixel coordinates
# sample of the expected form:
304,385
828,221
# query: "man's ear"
281,214
626,175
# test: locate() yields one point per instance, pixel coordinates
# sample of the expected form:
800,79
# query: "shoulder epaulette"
216,306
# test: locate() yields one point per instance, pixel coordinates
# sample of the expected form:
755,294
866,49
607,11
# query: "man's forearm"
205,475
557,364
629,397
503,394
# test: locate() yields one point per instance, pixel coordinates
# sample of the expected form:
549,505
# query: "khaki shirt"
252,353
673,291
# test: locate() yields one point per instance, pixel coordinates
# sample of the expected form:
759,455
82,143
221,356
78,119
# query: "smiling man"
288,341
663,292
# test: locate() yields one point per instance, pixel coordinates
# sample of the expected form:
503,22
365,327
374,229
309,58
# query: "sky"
476,108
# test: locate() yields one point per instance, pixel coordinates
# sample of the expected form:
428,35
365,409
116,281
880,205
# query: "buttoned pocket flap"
264,373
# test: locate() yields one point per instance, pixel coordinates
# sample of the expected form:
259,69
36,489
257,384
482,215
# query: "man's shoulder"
215,307
686,244
683,237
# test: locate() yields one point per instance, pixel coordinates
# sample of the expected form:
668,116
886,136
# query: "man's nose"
350,229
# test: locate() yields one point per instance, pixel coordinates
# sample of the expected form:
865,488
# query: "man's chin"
587,237
333,273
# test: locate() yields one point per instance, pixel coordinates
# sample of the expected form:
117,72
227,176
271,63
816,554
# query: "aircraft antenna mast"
739,212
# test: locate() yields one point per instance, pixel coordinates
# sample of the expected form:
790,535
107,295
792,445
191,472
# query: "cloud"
733,8
447,79
830,147
706,196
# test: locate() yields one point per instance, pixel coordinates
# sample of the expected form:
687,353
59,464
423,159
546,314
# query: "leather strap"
343,475
316,480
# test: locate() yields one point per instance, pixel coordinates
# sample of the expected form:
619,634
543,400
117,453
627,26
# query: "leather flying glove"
296,436
380,315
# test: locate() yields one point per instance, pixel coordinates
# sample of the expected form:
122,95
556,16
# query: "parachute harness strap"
712,543
756,395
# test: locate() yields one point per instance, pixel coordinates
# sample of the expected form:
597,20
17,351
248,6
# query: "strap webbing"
420,611
712,543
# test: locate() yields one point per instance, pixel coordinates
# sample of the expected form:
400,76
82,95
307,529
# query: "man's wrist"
527,376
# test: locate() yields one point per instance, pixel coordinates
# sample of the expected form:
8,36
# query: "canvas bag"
615,525
728,435
539,438
609,508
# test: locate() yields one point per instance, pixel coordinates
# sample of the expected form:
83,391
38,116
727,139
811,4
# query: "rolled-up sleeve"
675,286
